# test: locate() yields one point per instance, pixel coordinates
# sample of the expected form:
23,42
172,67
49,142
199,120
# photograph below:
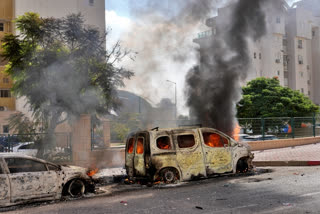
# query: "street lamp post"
175,98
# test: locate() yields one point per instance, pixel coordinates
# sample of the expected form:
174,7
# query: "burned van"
183,154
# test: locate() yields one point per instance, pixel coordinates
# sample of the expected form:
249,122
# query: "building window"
278,20
91,2
309,93
313,33
5,93
260,56
301,74
302,90
5,80
308,82
300,59
284,42
1,27
278,73
255,55
5,129
300,43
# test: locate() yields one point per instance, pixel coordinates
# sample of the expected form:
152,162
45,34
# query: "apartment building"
290,50
92,10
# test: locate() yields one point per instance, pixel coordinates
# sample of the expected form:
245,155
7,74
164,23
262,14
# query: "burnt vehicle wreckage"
182,154
25,179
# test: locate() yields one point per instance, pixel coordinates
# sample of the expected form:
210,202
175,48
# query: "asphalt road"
280,190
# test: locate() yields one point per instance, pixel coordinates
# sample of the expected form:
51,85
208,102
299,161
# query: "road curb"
286,163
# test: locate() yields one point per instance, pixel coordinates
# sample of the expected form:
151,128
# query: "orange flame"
92,172
236,132
140,148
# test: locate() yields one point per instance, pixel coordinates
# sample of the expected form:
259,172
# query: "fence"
256,128
29,144
280,127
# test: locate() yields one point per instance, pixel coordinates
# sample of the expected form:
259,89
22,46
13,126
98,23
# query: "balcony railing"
205,34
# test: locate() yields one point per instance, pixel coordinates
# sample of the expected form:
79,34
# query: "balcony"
205,34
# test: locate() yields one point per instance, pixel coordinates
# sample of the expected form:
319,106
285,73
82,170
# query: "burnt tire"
169,175
76,188
242,166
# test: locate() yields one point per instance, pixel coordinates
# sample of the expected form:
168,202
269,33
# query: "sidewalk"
293,156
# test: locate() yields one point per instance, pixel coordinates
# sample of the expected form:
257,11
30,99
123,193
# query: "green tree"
125,123
62,68
264,97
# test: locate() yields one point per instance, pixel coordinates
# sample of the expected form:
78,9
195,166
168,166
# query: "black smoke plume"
213,88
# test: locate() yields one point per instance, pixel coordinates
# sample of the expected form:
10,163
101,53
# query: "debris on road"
200,208
125,203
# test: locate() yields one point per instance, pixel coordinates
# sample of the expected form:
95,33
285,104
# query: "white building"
290,50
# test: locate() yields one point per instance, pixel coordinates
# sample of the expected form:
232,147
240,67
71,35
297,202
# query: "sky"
120,20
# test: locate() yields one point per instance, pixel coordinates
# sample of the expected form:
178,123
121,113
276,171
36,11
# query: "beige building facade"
94,15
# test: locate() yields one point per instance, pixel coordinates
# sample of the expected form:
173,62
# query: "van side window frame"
133,146
136,145
221,137
170,143
186,134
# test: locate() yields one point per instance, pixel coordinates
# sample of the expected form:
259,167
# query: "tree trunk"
48,143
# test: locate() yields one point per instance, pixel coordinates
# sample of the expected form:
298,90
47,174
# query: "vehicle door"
28,179
139,156
189,155
4,185
52,181
130,145
217,151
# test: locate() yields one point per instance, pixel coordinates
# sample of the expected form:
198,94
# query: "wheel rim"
76,188
169,176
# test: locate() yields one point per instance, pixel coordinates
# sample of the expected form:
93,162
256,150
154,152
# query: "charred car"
182,154
27,179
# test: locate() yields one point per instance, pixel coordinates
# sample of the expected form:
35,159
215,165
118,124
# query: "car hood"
75,171
246,145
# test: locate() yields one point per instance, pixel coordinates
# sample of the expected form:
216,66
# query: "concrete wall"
276,144
82,154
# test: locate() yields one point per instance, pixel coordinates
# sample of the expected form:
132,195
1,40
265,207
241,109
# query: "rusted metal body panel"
21,187
190,160
187,153
4,186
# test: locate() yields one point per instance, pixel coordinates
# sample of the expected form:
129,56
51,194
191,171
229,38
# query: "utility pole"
175,98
